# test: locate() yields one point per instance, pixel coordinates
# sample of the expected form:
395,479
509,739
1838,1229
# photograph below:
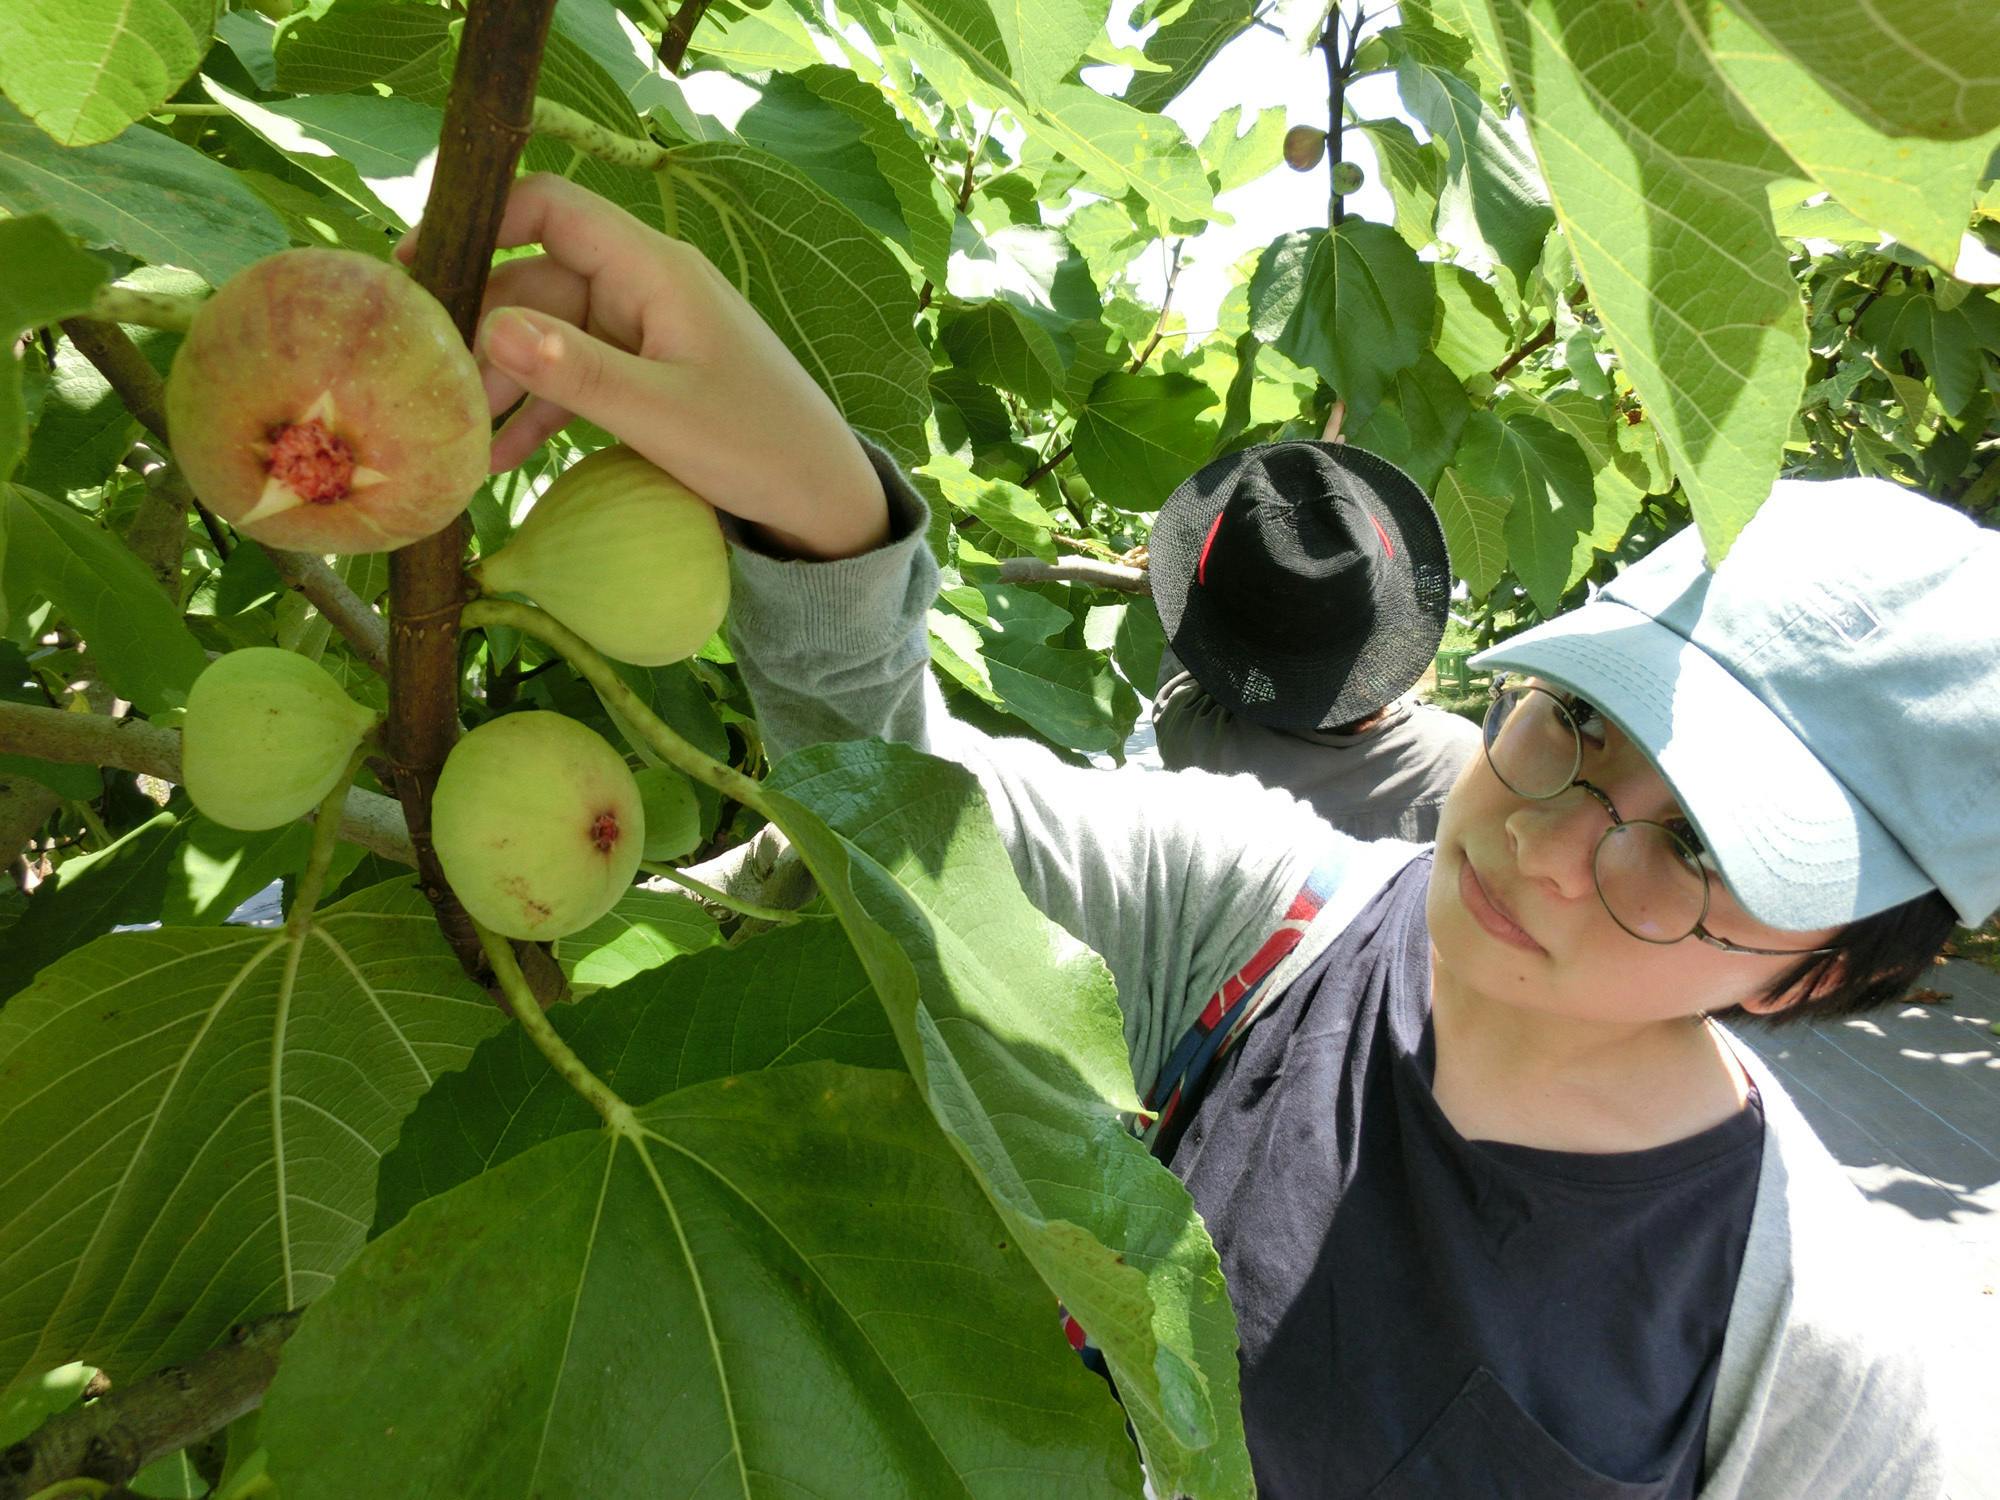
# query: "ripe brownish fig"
538,824
322,401
1305,146
267,734
625,555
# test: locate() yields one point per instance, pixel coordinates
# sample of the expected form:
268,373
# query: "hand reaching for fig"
640,334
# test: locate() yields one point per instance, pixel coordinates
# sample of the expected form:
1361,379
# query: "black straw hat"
1304,584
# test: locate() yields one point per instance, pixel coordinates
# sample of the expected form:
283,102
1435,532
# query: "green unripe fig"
623,554
673,816
1348,177
322,401
267,735
1305,145
538,824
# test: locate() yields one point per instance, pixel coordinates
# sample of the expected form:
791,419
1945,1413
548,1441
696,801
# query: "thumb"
562,364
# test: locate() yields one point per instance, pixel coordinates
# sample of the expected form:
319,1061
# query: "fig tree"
267,734
623,554
322,401
538,824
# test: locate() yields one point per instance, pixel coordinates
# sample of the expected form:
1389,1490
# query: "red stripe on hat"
1387,545
1201,562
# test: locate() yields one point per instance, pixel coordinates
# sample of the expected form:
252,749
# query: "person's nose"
1555,840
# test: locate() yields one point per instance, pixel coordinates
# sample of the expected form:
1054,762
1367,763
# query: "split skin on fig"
538,825
267,735
322,402
625,555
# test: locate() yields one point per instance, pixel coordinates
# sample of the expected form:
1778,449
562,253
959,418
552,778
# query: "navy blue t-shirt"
1425,1317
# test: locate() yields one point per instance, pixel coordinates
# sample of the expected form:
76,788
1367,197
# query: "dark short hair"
1873,963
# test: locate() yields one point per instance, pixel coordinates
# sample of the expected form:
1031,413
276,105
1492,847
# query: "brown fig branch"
488,116
371,820
116,1436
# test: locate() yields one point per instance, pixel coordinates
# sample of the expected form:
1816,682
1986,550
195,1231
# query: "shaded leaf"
48,278
99,586
795,995
1926,70
790,1254
144,193
241,1086
1549,522
642,931
1017,1046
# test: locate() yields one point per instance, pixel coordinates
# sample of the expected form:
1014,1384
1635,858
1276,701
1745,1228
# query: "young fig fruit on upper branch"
267,735
1305,146
322,401
1348,177
623,554
538,824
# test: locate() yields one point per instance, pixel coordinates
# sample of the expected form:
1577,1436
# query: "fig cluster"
322,402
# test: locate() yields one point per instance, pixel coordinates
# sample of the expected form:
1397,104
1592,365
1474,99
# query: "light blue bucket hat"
1825,704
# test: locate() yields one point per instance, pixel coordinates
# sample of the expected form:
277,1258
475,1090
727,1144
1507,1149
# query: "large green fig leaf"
795,995
1355,304
1660,188
1140,434
845,136
1014,1037
83,70
1493,207
190,1120
825,283
1920,191
144,193
1475,528
773,1284
1549,524
1930,69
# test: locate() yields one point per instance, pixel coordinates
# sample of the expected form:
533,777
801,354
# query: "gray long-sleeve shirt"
1387,782
1820,1395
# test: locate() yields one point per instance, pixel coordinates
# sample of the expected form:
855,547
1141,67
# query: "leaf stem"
618,694
163,310
326,834
528,1011
564,124
720,898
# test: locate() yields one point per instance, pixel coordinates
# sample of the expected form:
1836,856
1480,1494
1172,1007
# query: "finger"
623,393
530,427
582,230
532,281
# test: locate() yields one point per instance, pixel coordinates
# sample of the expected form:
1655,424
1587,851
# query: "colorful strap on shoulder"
1239,1000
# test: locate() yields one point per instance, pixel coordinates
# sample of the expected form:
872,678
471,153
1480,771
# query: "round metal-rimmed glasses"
1649,876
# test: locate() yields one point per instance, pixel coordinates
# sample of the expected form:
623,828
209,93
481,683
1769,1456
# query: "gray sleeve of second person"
1173,878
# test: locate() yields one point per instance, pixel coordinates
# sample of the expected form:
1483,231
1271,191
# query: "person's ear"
1823,980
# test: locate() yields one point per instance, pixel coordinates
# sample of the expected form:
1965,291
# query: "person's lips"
1488,912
